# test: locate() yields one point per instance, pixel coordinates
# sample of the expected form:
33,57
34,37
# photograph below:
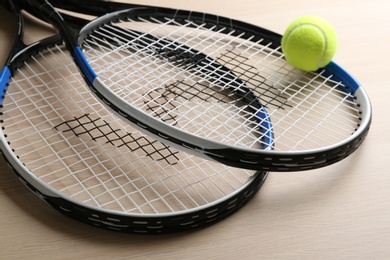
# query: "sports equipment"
318,118
309,43
157,67
230,93
83,160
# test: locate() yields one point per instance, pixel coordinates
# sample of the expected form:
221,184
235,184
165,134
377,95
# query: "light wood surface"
339,212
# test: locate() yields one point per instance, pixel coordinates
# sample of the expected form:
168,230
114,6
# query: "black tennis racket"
317,118
89,164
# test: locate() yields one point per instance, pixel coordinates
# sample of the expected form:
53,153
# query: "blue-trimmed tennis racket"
82,159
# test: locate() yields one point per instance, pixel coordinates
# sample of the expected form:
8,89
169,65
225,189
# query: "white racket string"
307,110
72,143
183,109
302,106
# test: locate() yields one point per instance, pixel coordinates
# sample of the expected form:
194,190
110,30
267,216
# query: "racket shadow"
296,191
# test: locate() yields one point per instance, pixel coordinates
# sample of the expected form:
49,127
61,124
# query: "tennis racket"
252,110
89,164
317,118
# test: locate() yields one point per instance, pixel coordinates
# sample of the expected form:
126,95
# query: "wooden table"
339,212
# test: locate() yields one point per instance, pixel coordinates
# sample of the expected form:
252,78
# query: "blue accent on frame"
337,73
84,65
263,120
4,78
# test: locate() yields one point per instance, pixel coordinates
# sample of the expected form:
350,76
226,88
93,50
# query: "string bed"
308,110
76,148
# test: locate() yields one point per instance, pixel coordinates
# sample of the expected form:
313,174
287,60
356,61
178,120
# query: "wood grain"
339,212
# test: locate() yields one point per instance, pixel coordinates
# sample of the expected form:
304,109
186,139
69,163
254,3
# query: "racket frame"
120,221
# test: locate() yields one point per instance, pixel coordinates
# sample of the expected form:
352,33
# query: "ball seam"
323,36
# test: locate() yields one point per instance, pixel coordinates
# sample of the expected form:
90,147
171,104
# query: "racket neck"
18,43
45,11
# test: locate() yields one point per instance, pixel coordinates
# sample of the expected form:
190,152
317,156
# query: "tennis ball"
309,43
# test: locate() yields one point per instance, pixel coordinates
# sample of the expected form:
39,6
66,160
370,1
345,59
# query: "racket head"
90,165
252,54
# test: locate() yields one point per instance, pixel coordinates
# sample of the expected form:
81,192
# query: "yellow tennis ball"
309,43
